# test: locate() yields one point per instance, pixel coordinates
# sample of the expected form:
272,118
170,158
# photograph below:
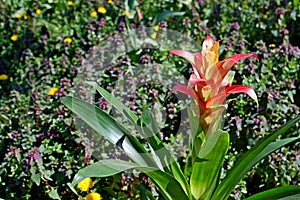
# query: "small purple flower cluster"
162,24
145,59
32,156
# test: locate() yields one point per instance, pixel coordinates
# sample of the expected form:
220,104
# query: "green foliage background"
40,148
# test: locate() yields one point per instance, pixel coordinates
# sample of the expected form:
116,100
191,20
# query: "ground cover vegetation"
44,44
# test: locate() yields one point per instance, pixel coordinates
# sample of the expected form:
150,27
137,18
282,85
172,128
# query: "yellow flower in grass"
25,17
3,77
125,13
156,28
14,37
38,11
93,196
101,10
70,3
153,35
67,40
19,15
52,91
93,14
85,184
110,1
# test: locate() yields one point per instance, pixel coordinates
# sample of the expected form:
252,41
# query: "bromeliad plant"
209,85
211,82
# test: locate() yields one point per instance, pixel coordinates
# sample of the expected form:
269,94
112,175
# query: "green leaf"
196,139
165,14
113,132
148,120
179,176
105,168
4,119
161,154
251,157
53,194
109,128
194,122
270,148
282,193
208,164
36,177
116,103
72,188
169,187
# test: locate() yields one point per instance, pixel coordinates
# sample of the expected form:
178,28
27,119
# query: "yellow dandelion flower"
70,3
67,40
153,35
93,196
93,14
14,37
125,13
110,1
19,15
156,28
38,11
3,77
52,91
85,184
101,10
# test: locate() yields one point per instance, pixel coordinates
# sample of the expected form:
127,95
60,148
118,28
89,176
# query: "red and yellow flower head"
211,80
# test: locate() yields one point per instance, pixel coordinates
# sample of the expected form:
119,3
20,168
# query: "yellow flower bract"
52,91
3,77
38,11
67,40
85,184
101,10
93,196
93,14
14,37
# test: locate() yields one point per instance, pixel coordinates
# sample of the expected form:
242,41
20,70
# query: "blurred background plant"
44,43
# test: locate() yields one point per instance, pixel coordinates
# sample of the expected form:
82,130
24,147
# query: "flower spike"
211,81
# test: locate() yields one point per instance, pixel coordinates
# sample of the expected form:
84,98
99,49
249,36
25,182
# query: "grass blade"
251,157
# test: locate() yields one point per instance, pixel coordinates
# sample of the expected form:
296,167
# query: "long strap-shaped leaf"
165,157
283,193
116,103
208,165
109,128
251,157
169,187
148,129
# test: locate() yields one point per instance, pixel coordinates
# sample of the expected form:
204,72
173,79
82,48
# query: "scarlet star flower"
211,81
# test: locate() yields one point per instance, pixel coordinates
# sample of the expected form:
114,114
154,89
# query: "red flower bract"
211,80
